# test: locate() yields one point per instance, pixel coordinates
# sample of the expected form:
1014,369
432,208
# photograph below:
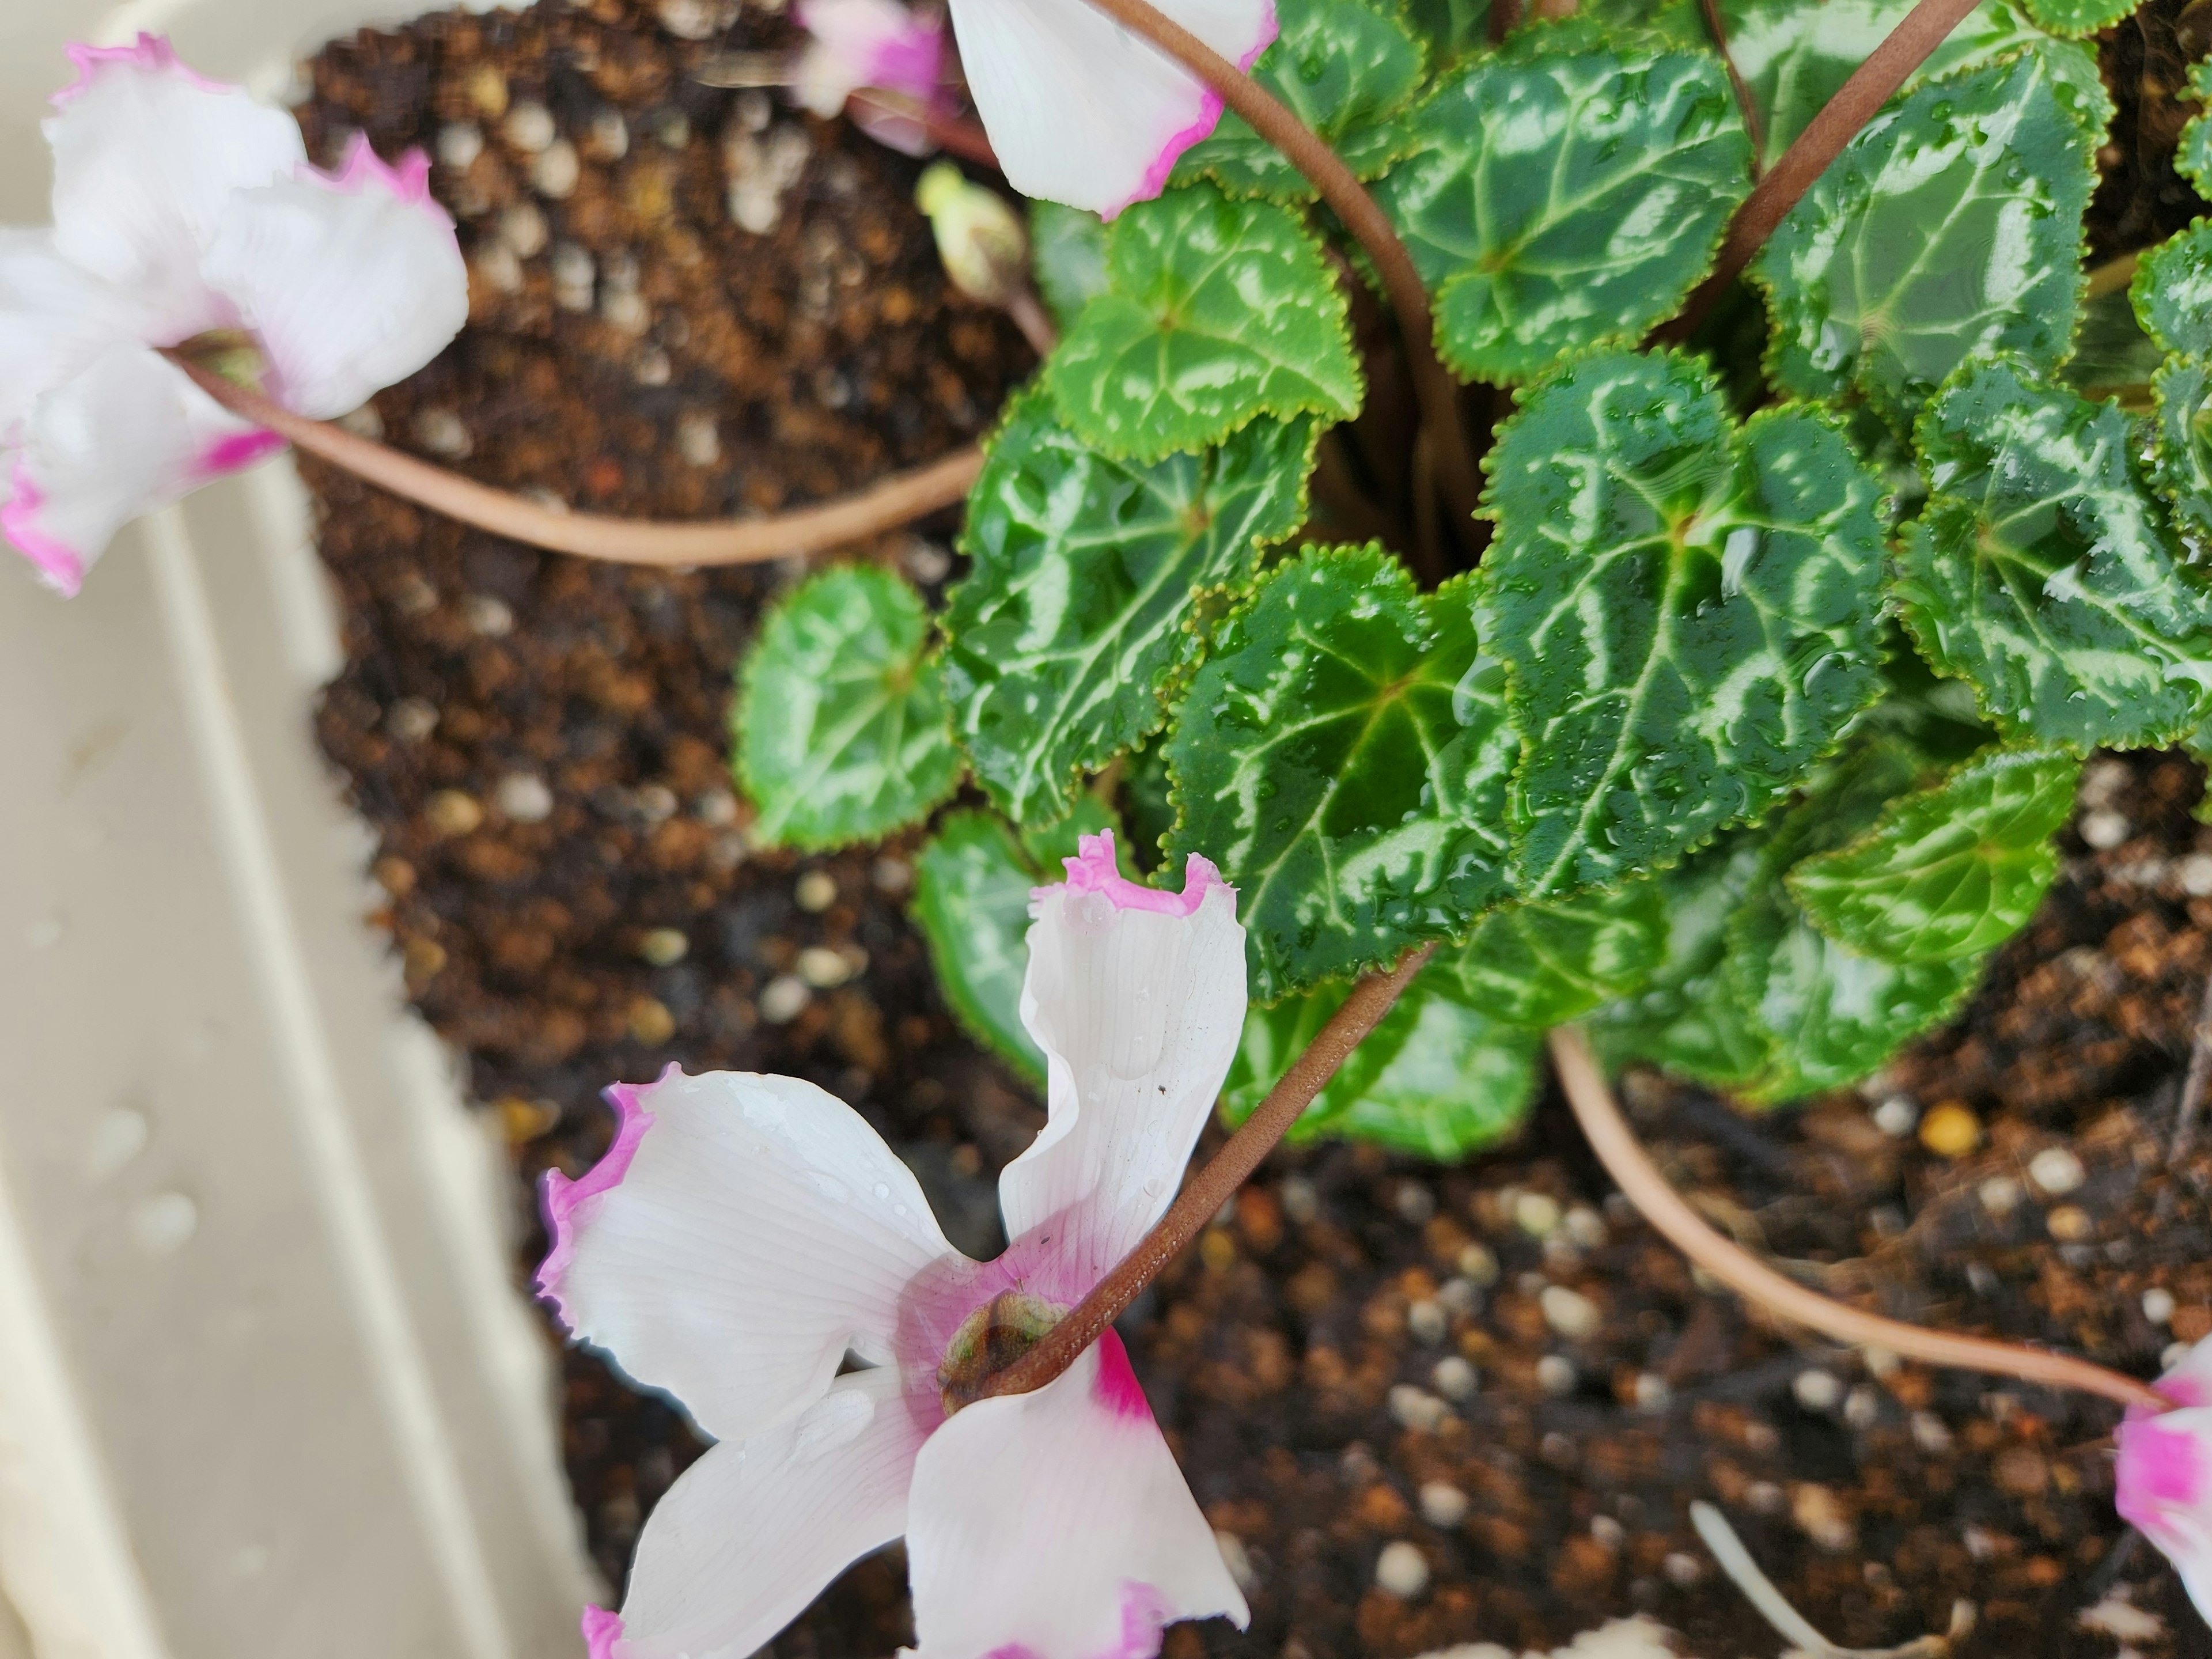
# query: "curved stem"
1640,1182
1436,390
883,505
1904,50
1216,1183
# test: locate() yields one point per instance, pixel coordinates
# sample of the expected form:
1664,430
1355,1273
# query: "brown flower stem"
883,505
1434,388
1746,105
1640,1182
950,133
1905,48
1216,1183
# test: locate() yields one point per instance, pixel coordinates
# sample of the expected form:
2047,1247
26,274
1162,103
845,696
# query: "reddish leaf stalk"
883,505
1214,1185
1640,1182
1872,84
1437,393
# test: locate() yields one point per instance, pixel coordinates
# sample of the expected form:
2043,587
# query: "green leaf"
1067,253
971,900
2172,291
1342,756
1073,620
2181,448
2039,573
1952,870
1214,311
1450,28
1343,68
1545,963
1437,1077
2079,17
1950,228
2193,159
1687,610
1557,200
2112,356
840,725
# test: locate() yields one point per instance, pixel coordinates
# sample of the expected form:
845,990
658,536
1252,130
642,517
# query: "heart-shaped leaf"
1952,870
1342,756
1074,616
1950,228
841,725
1557,199
1554,960
2172,291
2039,570
1687,610
1213,312
1343,67
2181,448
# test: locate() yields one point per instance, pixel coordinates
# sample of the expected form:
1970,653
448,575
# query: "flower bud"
984,248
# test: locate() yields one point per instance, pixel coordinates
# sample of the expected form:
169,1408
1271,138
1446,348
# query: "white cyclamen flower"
1081,111
182,207
746,1232
2162,1479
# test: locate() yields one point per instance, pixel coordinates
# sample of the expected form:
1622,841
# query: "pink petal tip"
240,450
61,565
602,1630
1093,871
150,54
564,1200
363,171
1209,116
1116,1388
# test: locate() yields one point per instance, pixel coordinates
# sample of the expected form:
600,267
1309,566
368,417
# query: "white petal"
1137,998
1081,111
1056,1525
865,43
54,318
126,435
351,282
753,1531
742,1234
145,155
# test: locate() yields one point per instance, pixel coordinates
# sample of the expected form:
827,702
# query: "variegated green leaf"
1554,960
1071,623
1342,754
1214,311
2080,17
2181,448
2172,291
1343,67
2039,570
1688,611
1437,1077
1067,253
1954,869
1449,29
1948,228
2193,159
2112,356
1556,200
841,723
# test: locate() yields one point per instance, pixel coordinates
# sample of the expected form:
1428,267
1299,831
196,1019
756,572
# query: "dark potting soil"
689,300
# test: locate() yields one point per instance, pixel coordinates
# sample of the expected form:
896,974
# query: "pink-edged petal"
1056,1525
146,155
350,281
743,1234
866,43
54,318
2189,1381
1137,998
126,434
2162,1481
1081,111
753,1531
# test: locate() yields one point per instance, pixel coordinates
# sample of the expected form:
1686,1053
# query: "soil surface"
690,300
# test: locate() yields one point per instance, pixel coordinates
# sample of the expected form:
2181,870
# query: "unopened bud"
985,250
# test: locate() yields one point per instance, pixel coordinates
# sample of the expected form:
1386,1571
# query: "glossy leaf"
1067,253
1558,199
1214,311
1952,870
2193,158
1449,29
1437,1077
971,900
1343,67
2181,448
1950,228
1554,960
2172,291
840,725
2112,356
2079,17
1342,754
1072,622
1688,611
2039,570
